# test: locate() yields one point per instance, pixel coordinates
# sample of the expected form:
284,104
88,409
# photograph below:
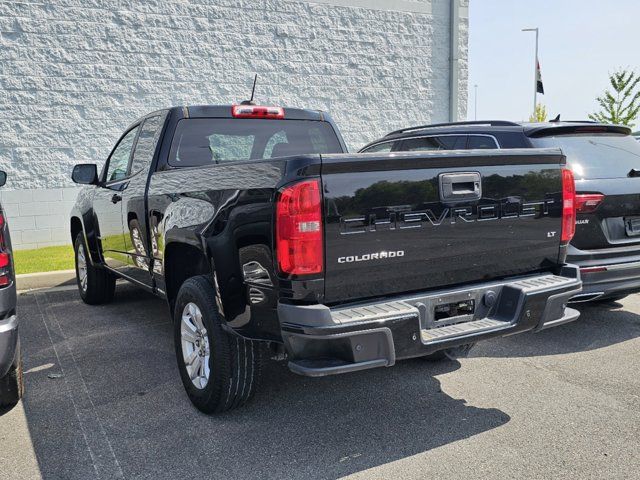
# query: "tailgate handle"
457,187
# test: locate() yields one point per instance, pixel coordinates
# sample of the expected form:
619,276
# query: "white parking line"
95,437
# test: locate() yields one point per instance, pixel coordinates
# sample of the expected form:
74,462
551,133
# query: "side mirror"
3,178
85,174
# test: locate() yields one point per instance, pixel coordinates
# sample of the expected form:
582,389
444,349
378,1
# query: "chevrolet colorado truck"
265,236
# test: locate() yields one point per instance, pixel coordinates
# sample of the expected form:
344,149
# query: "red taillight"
593,269
255,111
5,257
299,242
568,205
588,202
5,260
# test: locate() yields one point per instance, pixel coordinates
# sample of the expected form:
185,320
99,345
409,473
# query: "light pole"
475,102
535,69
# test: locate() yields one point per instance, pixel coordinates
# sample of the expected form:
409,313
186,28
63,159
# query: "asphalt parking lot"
104,400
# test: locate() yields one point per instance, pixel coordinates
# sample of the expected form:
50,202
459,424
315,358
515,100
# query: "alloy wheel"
81,261
195,345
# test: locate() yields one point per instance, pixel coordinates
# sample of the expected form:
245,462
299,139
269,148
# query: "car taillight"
299,240
593,269
588,202
5,257
568,205
255,111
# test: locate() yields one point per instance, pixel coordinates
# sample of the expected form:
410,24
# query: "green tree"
540,115
623,104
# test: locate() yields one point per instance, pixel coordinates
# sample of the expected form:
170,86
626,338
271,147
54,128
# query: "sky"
581,42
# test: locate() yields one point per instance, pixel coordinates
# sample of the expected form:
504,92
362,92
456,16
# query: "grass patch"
46,259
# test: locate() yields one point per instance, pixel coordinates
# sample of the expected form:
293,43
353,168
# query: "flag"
539,86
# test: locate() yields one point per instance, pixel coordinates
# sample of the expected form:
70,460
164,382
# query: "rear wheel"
12,386
220,371
96,285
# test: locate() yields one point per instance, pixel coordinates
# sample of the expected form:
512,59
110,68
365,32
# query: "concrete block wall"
75,73
38,217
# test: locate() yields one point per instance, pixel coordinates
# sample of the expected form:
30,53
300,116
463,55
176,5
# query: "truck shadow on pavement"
104,400
598,326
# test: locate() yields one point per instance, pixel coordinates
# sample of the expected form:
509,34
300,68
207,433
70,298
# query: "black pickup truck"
263,235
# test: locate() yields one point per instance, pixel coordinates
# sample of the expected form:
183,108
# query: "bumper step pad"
460,329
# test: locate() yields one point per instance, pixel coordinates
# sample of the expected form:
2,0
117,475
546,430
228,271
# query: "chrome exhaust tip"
586,297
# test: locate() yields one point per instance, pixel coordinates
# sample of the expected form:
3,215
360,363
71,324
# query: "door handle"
116,198
457,187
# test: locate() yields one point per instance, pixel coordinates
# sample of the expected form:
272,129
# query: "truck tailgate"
415,221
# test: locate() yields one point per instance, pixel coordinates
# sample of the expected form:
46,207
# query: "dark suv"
605,160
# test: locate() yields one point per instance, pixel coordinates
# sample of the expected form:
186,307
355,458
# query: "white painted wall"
75,73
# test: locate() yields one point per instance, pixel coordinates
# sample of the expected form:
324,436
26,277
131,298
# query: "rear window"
596,156
208,141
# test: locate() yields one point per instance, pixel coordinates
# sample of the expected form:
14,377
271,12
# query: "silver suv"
11,384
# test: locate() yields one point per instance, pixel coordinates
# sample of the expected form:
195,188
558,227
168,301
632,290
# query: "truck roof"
224,111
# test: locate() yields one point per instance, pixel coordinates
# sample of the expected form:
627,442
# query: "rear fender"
83,221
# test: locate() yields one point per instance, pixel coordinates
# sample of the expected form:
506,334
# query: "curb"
32,281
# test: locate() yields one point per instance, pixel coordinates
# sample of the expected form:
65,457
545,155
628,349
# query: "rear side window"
480,142
147,142
452,142
596,156
442,142
208,141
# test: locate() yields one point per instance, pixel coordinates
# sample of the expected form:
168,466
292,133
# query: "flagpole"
535,77
535,69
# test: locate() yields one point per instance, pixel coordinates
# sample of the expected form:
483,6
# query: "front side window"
147,142
380,148
208,141
420,144
119,160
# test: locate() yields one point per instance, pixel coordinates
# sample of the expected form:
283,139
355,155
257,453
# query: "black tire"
12,386
100,283
234,363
